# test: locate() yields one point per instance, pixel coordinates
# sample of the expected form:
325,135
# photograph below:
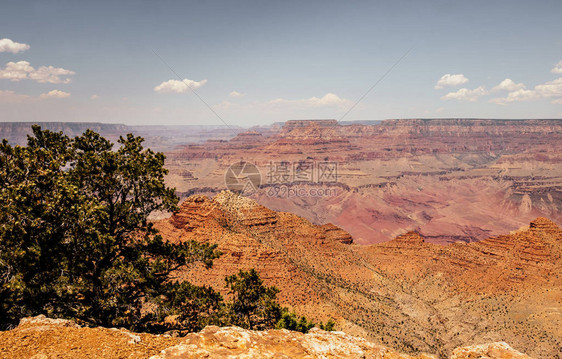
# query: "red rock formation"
449,179
405,293
411,238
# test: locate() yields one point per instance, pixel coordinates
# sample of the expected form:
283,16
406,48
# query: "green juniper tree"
291,321
75,240
253,305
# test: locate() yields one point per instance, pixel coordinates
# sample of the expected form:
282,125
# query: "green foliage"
189,308
328,326
289,320
75,240
253,305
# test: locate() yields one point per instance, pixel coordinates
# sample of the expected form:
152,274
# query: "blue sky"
257,62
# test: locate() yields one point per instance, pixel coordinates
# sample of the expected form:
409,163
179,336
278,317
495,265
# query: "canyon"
407,294
449,179
452,180
416,236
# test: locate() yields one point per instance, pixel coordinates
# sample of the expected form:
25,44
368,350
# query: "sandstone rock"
42,338
410,237
234,342
542,224
42,320
499,350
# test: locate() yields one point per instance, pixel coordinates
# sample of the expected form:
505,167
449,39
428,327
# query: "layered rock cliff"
406,293
449,179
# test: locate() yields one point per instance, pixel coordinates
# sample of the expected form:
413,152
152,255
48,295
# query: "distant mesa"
291,124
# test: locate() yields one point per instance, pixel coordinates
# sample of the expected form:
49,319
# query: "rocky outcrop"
405,293
42,321
249,235
44,338
488,351
527,257
233,342
41,337
232,211
410,237
544,225
334,233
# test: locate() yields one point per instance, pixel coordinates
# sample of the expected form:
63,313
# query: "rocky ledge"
41,337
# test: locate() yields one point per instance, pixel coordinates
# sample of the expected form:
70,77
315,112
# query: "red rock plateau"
41,337
450,179
407,293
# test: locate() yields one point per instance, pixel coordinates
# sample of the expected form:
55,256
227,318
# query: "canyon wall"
449,179
406,293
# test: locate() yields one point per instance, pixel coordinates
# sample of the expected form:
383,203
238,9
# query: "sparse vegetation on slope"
406,293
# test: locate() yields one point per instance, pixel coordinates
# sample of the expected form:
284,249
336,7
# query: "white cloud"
54,94
557,68
440,109
15,98
179,86
21,70
508,85
51,75
236,94
12,97
16,71
548,90
328,99
450,80
465,94
7,45
516,96
94,97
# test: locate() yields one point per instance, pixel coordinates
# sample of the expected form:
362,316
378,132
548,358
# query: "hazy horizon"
221,126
